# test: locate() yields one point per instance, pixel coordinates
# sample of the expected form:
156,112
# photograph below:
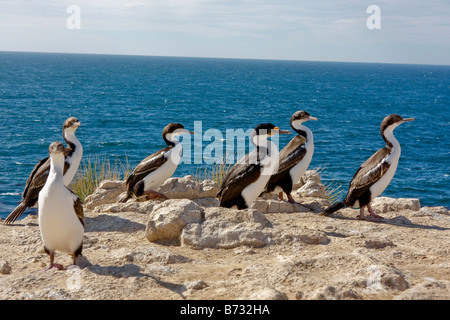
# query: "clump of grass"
216,172
94,170
333,190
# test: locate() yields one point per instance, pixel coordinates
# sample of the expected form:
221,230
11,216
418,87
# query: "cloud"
279,28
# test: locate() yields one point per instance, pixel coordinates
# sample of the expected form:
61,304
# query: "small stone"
5,268
196,285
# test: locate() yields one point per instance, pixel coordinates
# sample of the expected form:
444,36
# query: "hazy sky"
326,30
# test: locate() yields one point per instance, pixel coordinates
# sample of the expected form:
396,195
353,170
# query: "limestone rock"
5,268
375,243
228,228
382,276
150,255
427,290
188,188
312,189
106,192
174,188
130,206
268,294
333,293
168,219
386,204
310,175
303,235
195,285
432,211
274,206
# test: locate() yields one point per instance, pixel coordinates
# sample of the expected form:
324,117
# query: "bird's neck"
72,141
56,167
303,131
170,140
391,141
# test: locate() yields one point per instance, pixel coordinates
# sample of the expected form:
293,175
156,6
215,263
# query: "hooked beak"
408,119
191,132
312,118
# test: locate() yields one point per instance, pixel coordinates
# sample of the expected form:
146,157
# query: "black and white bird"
151,172
294,158
61,217
38,177
375,174
248,177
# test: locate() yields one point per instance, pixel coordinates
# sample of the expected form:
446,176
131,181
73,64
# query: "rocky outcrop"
310,186
430,289
168,219
188,188
106,192
386,204
185,248
228,228
174,188
183,222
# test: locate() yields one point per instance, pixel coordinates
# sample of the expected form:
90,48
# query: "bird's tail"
333,208
15,214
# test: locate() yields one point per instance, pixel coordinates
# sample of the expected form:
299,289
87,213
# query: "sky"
412,31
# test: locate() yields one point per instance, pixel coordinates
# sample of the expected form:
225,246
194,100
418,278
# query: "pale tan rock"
311,189
386,204
268,294
299,254
188,188
107,192
227,228
5,268
168,219
427,290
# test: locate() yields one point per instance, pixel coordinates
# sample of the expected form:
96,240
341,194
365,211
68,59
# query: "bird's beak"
408,119
191,132
278,131
312,118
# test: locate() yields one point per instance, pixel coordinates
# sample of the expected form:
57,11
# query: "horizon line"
222,58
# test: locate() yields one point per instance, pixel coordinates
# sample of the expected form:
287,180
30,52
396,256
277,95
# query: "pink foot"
371,217
153,195
54,265
372,213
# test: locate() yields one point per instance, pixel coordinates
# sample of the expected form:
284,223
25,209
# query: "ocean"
124,102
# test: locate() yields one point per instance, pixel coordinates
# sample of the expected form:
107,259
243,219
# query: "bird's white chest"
378,187
60,227
253,190
158,176
300,168
269,167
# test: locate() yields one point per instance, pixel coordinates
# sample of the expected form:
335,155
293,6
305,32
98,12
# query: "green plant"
216,172
333,190
94,170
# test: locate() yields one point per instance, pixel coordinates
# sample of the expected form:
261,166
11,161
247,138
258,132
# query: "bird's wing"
289,156
240,176
146,166
292,153
37,179
368,173
78,207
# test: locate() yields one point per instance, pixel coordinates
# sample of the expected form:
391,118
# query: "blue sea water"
124,102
